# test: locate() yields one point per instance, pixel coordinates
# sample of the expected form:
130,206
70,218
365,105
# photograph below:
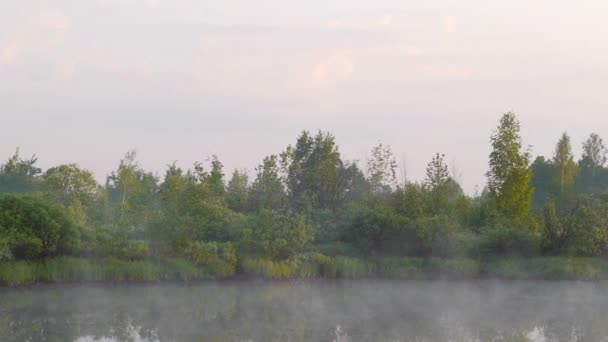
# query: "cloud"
335,68
413,51
361,22
54,20
45,30
438,72
326,72
450,24
10,52
65,71
152,4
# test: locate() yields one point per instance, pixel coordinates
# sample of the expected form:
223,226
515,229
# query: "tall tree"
19,175
509,174
594,152
268,191
134,191
215,179
237,191
381,169
563,161
437,174
441,187
313,171
72,187
592,175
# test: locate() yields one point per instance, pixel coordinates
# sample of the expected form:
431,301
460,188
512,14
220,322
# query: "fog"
310,311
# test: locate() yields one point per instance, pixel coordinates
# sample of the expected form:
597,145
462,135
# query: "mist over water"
309,311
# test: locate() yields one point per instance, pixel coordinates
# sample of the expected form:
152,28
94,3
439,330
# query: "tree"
542,181
563,161
237,192
72,187
19,175
381,169
509,174
268,191
592,175
215,179
173,185
133,191
353,182
437,174
594,152
313,171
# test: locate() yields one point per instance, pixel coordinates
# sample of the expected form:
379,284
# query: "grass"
315,265
69,269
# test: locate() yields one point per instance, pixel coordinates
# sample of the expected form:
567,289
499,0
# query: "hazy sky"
85,81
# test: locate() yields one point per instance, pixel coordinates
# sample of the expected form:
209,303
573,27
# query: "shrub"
35,228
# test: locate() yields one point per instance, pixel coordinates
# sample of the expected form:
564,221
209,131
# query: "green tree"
215,179
381,169
72,187
542,181
353,183
437,174
509,174
563,162
133,191
268,191
19,175
237,192
276,235
594,152
313,171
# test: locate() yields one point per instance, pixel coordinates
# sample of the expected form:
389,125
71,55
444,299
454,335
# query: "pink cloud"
10,52
450,24
361,22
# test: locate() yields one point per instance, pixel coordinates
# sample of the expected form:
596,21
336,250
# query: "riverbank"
70,269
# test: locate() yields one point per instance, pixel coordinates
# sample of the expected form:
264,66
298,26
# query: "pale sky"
86,81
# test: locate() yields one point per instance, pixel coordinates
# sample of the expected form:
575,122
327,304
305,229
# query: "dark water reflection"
308,311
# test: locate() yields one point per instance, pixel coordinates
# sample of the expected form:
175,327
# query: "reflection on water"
308,311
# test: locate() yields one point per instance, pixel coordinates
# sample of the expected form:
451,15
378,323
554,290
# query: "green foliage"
313,170
268,191
372,225
507,240
509,175
219,257
237,192
35,228
19,175
69,269
72,187
276,235
381,166
307,214
563,161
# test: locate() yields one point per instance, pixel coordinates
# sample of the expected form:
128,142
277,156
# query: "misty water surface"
308,311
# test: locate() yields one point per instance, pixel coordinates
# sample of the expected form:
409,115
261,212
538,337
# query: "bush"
36,229
508,241
220,258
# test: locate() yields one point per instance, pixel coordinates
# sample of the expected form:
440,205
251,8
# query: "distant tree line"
308,199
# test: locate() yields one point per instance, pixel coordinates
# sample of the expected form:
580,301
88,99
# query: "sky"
180,80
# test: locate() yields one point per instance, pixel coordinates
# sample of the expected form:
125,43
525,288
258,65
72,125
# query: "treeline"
308,210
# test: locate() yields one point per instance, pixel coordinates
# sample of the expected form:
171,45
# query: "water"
308,311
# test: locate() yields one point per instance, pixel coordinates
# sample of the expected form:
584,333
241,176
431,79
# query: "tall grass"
314,265
68,269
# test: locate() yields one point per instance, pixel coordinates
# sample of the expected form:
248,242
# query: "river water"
357,310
